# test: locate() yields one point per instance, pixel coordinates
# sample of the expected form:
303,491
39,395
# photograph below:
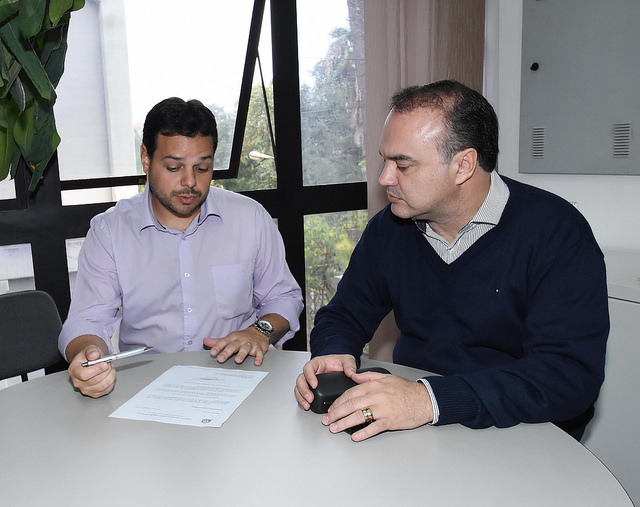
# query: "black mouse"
331,386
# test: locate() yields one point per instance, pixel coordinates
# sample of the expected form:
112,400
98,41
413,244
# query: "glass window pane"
124,57
16,268
94,195
329,240
7,189
332,93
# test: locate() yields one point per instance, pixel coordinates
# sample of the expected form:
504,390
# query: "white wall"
611,204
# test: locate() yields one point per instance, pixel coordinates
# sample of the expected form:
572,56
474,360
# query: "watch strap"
263,326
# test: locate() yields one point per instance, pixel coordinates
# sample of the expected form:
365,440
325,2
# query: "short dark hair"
175,117
468,118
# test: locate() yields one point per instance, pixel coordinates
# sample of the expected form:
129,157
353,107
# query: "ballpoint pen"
115,357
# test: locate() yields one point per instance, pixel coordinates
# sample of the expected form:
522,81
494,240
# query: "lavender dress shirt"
170,289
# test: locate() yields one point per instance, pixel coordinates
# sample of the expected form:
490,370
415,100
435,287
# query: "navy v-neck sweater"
516,327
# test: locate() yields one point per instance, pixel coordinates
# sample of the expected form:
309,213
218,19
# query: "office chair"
29,329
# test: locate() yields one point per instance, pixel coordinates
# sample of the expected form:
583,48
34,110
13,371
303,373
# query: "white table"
60,448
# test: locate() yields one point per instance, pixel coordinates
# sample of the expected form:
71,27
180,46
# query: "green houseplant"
33,34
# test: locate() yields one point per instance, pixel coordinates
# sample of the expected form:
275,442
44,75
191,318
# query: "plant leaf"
43,146
7,148
8,114
77,5
45,151
10,68
44,114
43,143
23,130
30,62
18,94
54,65
47,42
15,161
57,8
30,16
38,171
7,9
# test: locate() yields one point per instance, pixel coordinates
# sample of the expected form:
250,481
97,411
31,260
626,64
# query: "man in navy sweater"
496,286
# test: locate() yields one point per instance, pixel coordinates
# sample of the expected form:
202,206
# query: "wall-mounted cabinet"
580,96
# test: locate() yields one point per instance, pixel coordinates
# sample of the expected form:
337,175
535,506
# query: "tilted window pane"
126,56
257,169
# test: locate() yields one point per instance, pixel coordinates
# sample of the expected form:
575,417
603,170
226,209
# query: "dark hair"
175,117
469,120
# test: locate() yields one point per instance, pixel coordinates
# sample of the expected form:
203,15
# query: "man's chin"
186,211
400,210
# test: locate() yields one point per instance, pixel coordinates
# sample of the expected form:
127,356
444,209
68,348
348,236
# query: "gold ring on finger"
368,415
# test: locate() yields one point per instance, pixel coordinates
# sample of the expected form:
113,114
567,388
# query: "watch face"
266,325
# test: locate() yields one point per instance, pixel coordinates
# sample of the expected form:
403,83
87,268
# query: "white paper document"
191,396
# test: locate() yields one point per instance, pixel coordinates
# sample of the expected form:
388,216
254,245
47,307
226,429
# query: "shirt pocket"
233,288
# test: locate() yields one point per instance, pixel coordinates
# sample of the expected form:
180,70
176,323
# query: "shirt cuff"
434,402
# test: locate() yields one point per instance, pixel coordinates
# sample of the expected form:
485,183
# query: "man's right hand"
320,364
94,381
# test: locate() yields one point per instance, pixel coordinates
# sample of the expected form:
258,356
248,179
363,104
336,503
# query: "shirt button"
189,309
190,342
187,275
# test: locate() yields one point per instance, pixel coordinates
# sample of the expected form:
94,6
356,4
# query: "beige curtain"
413,42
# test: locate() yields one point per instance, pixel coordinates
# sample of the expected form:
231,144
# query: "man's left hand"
395,404
247,342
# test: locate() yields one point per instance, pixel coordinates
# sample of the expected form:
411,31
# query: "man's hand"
395,404
248,342
321,364
94,381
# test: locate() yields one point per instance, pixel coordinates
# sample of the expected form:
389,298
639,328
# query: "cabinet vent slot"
537,142
622,140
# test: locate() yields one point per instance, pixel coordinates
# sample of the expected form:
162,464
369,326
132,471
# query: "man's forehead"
179,138
185,142
423,123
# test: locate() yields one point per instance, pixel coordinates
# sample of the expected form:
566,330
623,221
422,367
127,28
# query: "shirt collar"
495,202
148,218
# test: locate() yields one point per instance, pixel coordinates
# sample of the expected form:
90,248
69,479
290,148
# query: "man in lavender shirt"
182,264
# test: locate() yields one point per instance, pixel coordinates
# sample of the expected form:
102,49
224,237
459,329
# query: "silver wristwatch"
266,328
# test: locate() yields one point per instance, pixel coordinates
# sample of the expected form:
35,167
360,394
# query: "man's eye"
202,169
172,169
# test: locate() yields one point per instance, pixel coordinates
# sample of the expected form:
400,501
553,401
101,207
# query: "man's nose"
188,177
387,176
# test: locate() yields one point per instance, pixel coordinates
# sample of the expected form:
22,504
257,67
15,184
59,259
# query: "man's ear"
145,159
466,163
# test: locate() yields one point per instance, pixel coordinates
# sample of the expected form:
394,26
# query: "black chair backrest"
29,329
